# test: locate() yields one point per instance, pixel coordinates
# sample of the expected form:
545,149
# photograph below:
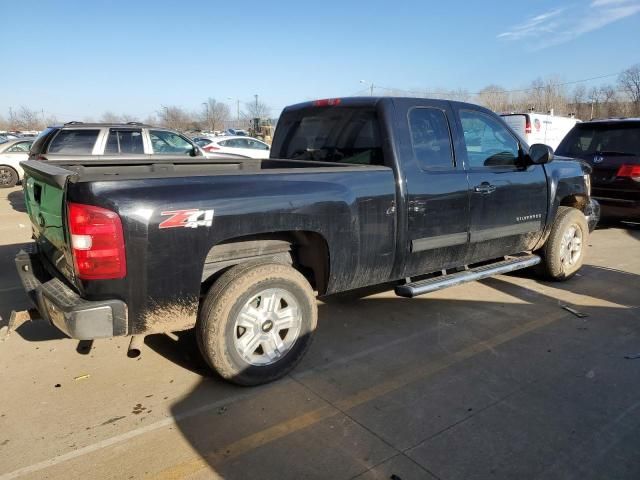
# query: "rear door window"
430,138
341,135
124,141
74,142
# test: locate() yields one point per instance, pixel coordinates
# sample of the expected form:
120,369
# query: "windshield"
588,139
344,135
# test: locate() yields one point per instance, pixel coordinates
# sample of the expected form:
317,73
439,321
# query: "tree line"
619,99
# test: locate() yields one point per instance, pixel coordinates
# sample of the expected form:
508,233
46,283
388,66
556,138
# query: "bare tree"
110,117
629,83
494,97
25,119
215,114
256,109
176,118
126,118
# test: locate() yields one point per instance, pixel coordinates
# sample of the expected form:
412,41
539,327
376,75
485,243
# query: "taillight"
629,171
527,125
97,242
210,148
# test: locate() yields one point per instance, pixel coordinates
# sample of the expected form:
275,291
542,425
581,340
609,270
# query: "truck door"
508,197
437,191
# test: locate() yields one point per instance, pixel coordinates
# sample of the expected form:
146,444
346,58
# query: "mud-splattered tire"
563,252
257,322
8,177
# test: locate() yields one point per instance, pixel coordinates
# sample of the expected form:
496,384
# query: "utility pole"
256,95
206,106
370,86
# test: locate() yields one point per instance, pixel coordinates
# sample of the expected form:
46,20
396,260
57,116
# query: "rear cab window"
335,134
74,141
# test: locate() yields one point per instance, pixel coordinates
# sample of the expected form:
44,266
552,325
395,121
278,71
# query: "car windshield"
3,139
589,139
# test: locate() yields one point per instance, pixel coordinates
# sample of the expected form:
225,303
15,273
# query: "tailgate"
44,189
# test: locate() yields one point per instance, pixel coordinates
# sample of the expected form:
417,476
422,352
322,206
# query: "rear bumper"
65,309
619,208
592,214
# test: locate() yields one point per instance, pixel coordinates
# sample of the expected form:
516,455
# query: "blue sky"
76,59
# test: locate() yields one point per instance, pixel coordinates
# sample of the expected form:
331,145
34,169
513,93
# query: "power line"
572,82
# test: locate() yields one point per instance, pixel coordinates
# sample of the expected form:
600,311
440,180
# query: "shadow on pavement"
16,199
284,430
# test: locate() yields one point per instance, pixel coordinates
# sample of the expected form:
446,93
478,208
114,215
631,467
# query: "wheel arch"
307,251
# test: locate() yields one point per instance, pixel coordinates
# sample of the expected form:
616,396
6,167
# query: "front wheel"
256,322
563,252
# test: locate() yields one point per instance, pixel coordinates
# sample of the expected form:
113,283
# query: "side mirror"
195,151
539,153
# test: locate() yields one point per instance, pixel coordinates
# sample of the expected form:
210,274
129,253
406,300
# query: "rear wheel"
256,322
563,252
8,177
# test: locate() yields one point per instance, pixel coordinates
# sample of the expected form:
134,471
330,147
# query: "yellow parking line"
268,435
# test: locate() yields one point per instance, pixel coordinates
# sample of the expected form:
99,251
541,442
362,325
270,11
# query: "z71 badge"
191,218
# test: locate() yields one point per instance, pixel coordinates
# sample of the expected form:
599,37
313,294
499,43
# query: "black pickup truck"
359,191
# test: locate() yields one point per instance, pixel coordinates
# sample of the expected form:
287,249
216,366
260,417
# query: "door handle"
484,187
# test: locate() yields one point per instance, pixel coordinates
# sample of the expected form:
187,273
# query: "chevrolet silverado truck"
423,194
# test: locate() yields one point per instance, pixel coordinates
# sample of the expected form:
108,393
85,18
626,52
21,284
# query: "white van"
540,128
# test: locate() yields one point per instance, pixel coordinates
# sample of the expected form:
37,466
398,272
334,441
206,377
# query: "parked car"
110,139
612,148
12,152
540,128
236,132
247,146
357,192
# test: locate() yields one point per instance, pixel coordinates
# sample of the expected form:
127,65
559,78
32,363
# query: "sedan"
247,146
12,153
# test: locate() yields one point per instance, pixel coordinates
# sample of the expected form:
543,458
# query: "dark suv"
612,148
110,139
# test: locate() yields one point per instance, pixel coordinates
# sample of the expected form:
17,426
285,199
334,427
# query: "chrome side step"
421,287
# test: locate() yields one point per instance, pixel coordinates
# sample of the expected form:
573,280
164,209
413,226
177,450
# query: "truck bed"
92,169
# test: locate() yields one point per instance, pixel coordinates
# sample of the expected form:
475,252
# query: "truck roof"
362,102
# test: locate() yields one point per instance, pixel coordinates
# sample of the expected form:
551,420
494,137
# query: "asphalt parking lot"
491,379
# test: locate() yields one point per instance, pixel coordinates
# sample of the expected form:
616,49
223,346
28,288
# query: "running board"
421,287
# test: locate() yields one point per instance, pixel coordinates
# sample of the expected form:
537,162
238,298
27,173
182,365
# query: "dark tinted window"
74,141
430,138
40,143
488,142
589,139
124,141
344,135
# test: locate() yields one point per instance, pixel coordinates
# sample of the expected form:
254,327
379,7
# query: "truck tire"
563,252
257,322
8,177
